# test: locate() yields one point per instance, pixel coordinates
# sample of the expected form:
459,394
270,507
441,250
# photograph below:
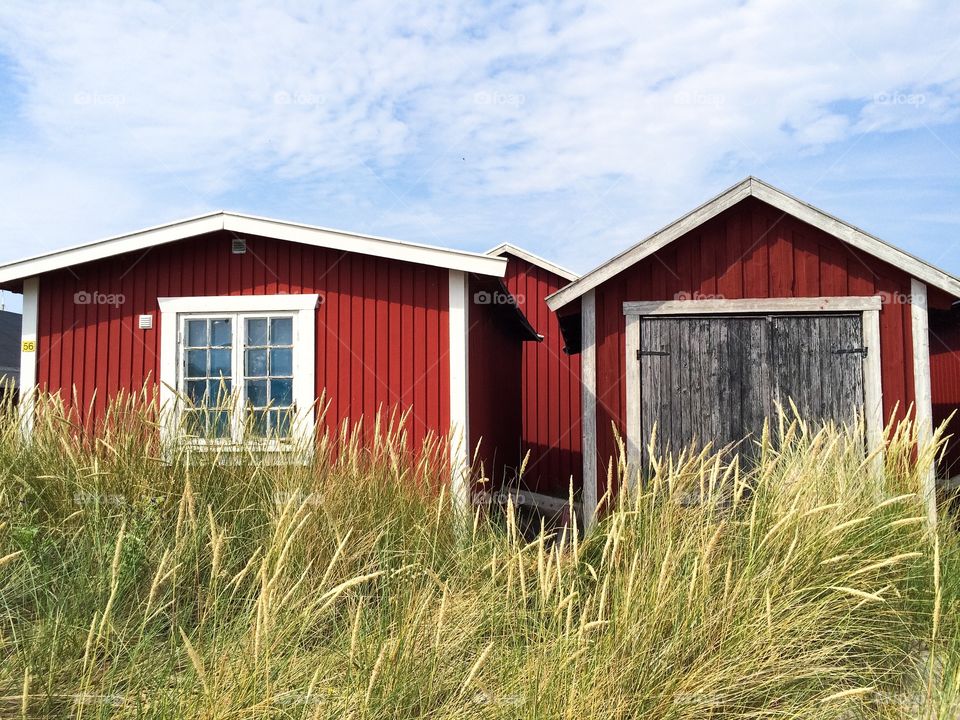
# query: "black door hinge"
659,353
862,351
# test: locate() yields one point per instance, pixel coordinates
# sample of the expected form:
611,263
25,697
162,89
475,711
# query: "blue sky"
573,129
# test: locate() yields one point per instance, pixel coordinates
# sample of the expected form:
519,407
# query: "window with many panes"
237,375
238,368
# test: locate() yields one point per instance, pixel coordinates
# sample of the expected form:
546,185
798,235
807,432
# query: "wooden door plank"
677,349
652,385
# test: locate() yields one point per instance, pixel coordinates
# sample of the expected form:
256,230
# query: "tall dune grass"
139,586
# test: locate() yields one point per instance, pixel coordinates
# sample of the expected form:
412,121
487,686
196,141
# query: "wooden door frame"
868,307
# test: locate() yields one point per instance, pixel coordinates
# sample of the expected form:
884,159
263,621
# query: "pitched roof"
753,187
13,272
508,249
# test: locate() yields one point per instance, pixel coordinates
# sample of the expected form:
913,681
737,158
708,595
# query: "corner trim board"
588,389
634,401
28,358
459,316
923,401
873,387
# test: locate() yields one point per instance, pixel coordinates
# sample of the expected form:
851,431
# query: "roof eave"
533,259
12,273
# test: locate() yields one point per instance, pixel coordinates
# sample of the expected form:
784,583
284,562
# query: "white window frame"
301,307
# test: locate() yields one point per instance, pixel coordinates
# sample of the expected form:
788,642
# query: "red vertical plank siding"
543,405
443,369
407,345
550,386
45,349
611,346
419,343
833,270
806,266
554,427
861,279
103,345
760,253
781,260
436,357
369,332
325,273
119,361
347,337
331,330
353,353
755,253
360,324
382,394
945,376
494,385
66,343
137,350
394,336
207,270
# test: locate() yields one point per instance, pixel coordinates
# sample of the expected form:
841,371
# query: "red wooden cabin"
282,313
762,282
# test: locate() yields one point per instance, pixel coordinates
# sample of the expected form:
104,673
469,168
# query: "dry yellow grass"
136,585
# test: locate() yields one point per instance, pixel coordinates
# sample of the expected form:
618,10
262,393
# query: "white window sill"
291,452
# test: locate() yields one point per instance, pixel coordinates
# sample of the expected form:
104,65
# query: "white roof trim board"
752,187
252,225
507,248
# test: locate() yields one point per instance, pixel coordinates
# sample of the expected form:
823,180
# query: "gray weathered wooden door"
716,378
818,363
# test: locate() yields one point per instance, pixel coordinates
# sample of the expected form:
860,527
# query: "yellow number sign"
29,346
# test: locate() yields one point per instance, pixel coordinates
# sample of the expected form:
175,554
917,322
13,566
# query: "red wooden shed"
753,298
550,383
281,313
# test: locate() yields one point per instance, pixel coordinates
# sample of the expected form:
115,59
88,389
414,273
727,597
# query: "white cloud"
583,121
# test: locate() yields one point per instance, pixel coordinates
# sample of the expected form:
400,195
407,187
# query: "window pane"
219,424
257,331
196,333
281,331
256,363
220,363
281,422
259,422
281,361
281,393
196,363
219,391
257,393
221,333
196,390
193,423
